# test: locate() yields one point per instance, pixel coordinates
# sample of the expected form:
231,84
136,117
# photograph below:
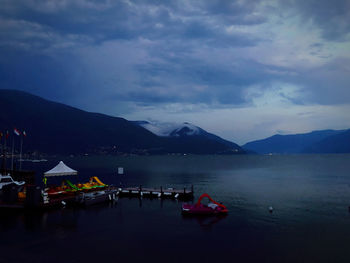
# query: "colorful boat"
93,183
213,208
55,191
68,187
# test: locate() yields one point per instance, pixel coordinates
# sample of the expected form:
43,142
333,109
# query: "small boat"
93,184
55,191
7,179
101,196
67,188
213,208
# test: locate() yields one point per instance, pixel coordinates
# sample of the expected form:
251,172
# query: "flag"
16,132
7,134
24,133
1,134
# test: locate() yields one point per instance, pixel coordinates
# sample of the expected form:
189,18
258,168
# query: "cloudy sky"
244,70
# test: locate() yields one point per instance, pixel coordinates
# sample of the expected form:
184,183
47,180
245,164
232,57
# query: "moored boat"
93,184
213,208
97,196
7,180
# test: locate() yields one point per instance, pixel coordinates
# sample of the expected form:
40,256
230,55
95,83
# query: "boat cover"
60,170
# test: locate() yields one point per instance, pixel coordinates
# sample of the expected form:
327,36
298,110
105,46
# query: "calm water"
310,195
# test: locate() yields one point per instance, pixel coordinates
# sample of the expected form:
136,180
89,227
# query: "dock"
37,199
163,193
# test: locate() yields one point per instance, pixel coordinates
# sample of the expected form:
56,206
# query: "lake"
310,222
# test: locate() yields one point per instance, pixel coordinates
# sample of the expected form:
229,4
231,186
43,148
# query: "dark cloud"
103,21
329,82
332,17
234,12
154,52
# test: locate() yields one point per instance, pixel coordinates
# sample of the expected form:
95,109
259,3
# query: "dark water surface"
310,195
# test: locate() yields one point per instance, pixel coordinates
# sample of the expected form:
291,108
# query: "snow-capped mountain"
167,129
186,131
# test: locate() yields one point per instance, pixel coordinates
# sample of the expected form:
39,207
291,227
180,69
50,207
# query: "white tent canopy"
60,170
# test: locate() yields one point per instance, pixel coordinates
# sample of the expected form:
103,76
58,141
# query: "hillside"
339,143
56,128
293,143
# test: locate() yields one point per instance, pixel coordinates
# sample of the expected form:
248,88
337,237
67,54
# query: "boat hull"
188,209
213,208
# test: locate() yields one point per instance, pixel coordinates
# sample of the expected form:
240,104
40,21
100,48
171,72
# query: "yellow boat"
93,183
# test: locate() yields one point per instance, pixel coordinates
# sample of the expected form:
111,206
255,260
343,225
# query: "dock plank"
160,192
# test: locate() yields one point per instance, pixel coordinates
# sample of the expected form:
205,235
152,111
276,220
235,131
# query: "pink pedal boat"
213,208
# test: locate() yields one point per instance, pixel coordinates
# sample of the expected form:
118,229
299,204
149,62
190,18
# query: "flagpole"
5,152
3,156
13,144
20,155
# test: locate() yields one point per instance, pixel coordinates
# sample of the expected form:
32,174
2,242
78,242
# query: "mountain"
188,134
293,143
338,143
55,128
187,129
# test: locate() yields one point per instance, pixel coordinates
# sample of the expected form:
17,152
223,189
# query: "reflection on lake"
310,222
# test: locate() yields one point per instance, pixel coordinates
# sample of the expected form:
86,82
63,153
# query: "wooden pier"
172,193
36,199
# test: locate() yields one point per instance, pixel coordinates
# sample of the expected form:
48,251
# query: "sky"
244,70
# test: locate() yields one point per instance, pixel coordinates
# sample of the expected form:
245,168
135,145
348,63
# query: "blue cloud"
155,52
331,17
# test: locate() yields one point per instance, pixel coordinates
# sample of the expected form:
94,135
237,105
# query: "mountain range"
56,128
324,141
